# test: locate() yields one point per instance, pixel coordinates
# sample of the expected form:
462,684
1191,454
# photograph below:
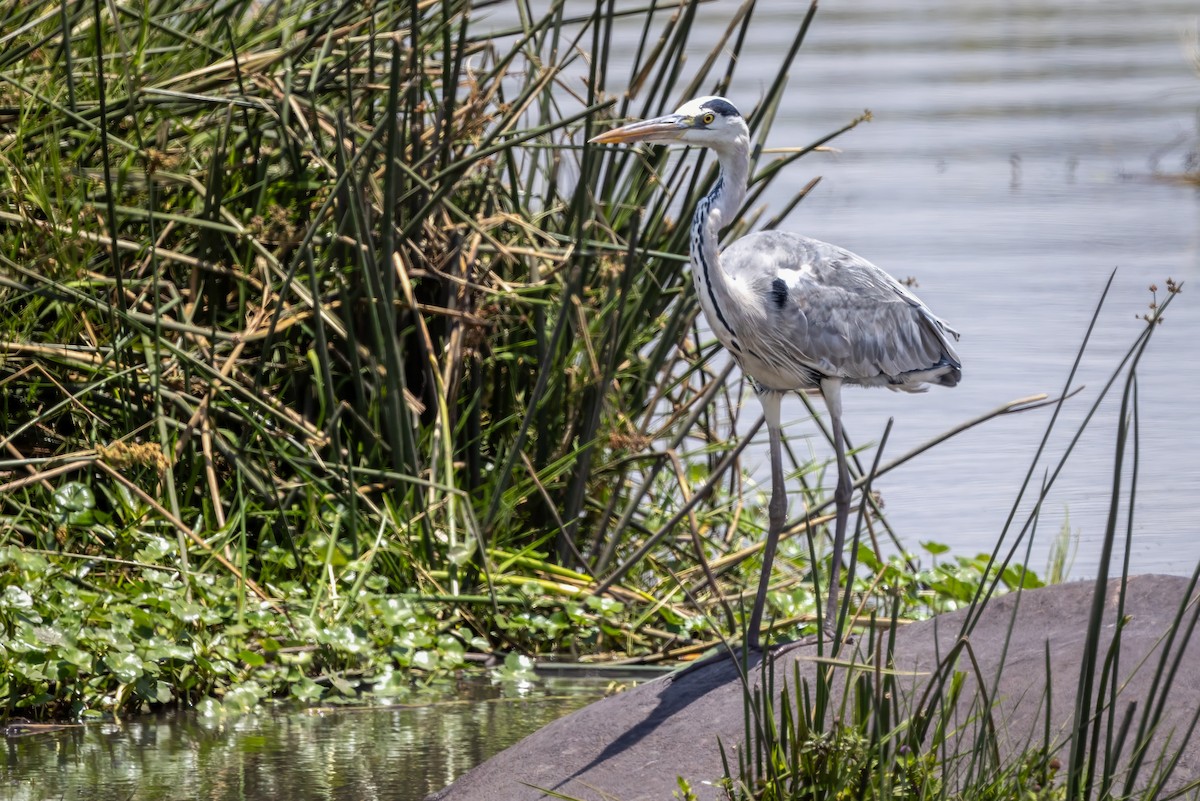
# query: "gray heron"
796,314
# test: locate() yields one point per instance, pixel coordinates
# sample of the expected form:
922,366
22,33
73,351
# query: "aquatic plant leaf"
252,658
126,667
391,684
162,692
50,635
22,559
306,690
243,697
425,660
16,598
210,708
77,657
517,667
153,690
343,687
73,497
154,549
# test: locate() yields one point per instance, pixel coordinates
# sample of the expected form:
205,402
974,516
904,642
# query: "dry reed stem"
43,475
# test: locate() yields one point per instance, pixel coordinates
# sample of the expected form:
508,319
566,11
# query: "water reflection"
398,753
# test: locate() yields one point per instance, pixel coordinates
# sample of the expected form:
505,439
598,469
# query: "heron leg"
831,389
776,515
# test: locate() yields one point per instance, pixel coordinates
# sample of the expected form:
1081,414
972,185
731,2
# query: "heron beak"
660,129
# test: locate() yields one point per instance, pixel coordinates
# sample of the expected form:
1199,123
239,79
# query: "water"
1019,153
396,753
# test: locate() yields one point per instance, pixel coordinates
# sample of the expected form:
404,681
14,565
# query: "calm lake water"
1020,152
398,753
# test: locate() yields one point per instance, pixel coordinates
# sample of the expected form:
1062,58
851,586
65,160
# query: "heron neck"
714,212
730,190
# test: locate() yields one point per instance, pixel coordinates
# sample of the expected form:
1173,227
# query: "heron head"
705,121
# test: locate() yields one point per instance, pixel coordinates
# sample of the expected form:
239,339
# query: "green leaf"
517,667
127,667
243,698
154,549
16,598
391,683
425,660
306,690
50,636
252,658
73,497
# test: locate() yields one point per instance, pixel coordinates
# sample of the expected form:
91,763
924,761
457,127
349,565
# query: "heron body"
810,310
796,314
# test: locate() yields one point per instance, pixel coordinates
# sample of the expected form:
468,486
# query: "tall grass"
321,304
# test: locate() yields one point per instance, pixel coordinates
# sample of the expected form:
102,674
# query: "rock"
634,745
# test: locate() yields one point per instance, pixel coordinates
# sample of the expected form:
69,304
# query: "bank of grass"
330,357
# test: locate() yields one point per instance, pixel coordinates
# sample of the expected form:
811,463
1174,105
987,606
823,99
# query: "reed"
328,348
310,307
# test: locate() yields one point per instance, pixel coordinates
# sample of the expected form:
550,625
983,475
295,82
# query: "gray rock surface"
633,745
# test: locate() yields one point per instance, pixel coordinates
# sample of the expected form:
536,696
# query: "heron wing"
822,308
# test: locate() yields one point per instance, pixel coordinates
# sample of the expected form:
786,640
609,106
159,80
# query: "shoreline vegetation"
332,363
298,401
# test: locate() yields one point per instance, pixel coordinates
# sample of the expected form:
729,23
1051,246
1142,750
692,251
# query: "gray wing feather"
818,307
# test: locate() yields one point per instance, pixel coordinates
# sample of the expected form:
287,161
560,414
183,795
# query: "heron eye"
709,117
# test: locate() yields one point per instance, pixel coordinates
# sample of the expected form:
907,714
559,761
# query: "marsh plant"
331,358
330,355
